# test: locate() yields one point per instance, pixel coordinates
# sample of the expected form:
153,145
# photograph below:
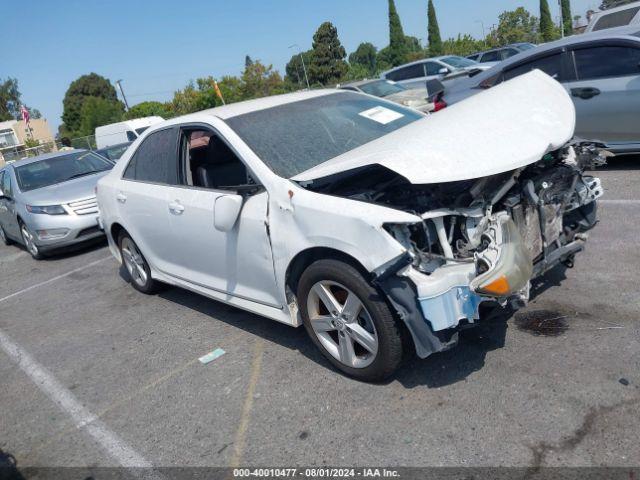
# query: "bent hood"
509,126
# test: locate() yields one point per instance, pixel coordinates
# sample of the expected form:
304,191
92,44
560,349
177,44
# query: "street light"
304,68
482,25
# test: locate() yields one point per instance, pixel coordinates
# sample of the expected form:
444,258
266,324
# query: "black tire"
144,284
3,237
389,351
27,241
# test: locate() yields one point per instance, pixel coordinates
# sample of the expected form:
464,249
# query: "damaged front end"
480,240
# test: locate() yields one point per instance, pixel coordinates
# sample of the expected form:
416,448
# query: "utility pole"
126,105
482,25
304,68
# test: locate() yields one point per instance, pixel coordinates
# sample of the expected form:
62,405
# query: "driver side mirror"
226,211
2,195
444,71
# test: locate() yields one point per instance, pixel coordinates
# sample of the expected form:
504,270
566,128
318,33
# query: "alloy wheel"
3,236
29,241
134,262
342,324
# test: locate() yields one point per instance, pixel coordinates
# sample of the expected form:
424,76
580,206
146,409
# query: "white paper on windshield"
381,115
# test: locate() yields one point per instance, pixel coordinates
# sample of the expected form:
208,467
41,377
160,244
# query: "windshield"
381,88
59,169
114,152
295,137
459,62
525,46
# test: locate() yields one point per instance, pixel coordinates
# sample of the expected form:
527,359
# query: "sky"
157,46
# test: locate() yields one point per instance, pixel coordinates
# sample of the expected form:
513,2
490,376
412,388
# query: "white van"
122,132
628,14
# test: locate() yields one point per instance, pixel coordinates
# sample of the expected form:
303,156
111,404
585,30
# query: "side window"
491,56
131,136
508,52
473,57
607,61
616,19
6,184
551,65
433,68
156,160
210,163
407,73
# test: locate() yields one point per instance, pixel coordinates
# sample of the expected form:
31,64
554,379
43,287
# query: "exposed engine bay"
483,239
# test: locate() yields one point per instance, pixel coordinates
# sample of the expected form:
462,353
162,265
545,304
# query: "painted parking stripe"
51,280
82,417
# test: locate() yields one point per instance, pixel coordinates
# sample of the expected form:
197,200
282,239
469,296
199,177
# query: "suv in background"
615,17
502,53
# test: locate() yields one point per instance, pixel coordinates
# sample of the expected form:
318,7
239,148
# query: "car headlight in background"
47,209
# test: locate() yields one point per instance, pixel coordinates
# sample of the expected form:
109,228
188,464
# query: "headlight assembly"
47,209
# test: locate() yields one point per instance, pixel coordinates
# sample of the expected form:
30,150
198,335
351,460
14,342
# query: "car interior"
211,163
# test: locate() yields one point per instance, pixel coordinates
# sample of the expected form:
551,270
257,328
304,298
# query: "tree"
606,4
567,23
11,101
85,87
260,80
327,59
365,57
396,53
247,61
98,111
433,31
294,69
462,46
546,23
515,26
149,109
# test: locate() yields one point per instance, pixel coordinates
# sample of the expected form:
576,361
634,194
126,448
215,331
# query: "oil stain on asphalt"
542,323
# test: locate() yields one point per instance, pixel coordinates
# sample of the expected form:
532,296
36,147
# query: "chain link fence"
17,153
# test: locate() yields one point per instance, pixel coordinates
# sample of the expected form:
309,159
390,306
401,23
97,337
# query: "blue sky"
155,47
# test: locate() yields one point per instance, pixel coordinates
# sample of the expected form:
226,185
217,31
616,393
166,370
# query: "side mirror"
2,195
444,71
226,211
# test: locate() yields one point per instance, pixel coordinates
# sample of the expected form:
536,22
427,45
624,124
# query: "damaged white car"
374,226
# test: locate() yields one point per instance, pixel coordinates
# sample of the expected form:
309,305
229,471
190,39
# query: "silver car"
599,70
416,98
49,201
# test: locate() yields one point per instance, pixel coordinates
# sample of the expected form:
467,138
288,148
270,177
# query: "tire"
136,265
29,243
340,334
3,237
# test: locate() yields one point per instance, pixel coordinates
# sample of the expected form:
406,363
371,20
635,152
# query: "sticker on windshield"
381,115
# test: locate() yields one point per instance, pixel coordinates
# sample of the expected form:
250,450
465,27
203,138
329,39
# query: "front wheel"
349,321
136,265
3,237
29,242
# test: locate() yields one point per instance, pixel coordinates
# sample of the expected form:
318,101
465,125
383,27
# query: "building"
14,136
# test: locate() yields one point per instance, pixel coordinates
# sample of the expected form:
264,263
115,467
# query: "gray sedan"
49,201
599,70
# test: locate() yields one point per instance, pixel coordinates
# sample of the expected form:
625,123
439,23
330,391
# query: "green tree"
515,26
98,111
11,101
547,28
149,109
80,90
567,22
396,53
364,56
294,70
327,61
247,61
433,31
260,80
463,45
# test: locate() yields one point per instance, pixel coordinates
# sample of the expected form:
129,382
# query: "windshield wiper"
82,174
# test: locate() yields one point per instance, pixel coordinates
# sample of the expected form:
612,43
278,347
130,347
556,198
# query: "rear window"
616,19
491,56
297,136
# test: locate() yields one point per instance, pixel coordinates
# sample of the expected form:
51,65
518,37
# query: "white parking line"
606,201
82,418
51,280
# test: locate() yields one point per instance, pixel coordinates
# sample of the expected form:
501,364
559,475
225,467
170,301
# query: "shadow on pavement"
624,162
8,467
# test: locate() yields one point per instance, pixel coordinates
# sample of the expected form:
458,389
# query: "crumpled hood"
73,190
506,127
414,94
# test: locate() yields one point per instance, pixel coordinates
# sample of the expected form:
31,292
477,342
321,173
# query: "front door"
8,218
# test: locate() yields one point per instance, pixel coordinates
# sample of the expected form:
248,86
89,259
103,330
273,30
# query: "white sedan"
367,222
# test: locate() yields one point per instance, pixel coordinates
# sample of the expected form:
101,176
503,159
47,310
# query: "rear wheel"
349,321
28,239
3,237
136,265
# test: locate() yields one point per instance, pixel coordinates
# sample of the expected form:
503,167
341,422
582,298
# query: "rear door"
606,91
8,217
142,195
411,76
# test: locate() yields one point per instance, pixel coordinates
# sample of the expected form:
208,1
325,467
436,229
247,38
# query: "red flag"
25,114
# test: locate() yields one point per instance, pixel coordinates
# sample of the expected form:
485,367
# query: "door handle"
176,208
585,93
121,197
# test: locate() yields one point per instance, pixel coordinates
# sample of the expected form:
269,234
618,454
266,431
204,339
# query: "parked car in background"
122,132
368,222
113,152
416,98
49,201
415,74
502,53
621,16
599,70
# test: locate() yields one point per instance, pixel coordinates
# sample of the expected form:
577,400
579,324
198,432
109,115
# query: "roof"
46,156
415,62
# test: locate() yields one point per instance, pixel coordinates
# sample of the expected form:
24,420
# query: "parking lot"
95,373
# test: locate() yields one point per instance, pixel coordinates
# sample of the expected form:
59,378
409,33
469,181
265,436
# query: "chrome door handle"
121,197
176,208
